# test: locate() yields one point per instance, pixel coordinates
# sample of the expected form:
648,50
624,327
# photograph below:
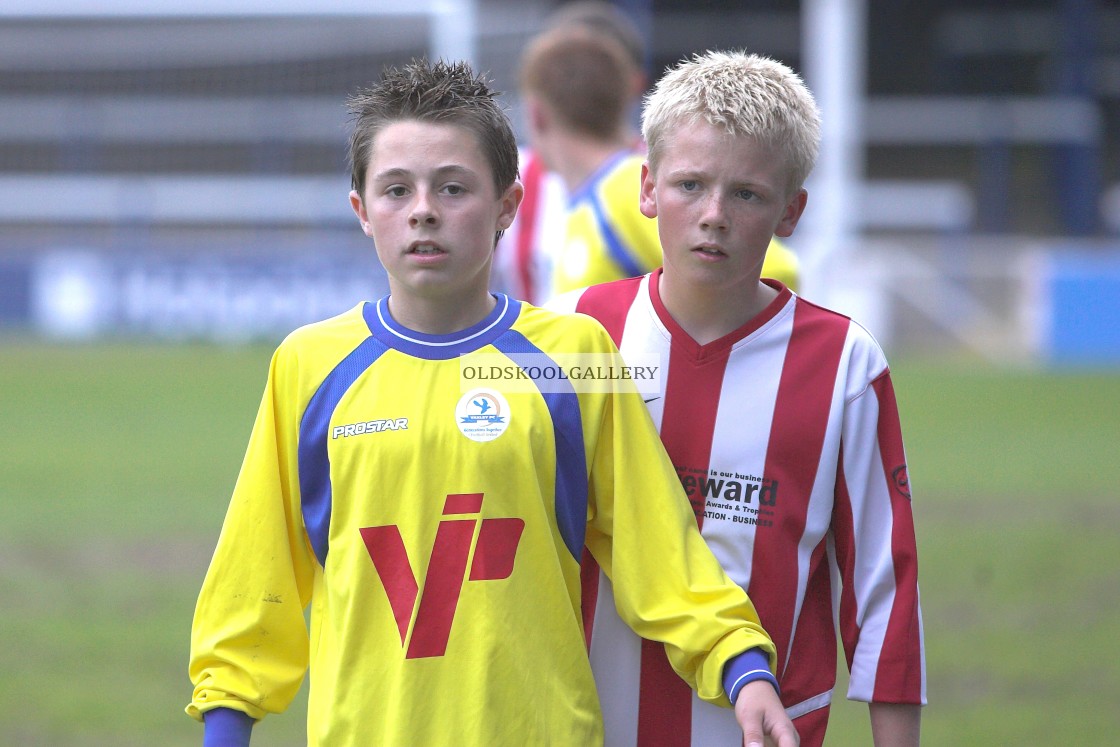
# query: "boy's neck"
577,157
439,316
706,315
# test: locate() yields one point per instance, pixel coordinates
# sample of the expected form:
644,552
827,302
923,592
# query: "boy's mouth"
424,247
708,250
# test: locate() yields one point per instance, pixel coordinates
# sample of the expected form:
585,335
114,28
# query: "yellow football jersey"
436,534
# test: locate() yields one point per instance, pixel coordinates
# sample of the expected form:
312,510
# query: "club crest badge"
901,480
482,415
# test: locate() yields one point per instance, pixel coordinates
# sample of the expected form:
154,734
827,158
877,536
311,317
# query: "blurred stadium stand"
144,143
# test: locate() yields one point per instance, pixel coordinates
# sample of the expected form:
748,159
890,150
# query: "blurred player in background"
779,416
523,261
436,533
580,80
574,82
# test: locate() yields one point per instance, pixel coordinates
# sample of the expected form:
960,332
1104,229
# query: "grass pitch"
116,463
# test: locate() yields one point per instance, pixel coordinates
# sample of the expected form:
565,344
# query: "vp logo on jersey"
426,626
482,414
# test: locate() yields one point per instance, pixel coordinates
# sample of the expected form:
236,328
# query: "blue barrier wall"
1084,299
85,293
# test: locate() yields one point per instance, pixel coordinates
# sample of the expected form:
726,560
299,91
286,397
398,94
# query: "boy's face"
718,200
432,210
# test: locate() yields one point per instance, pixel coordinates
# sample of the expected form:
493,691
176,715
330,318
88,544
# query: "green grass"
1014,476
116,463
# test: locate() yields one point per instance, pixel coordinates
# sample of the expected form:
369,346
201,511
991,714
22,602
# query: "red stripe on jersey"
610,303
589,598
814,641
793,455
811,727
902,642
664,701
533,181
692,394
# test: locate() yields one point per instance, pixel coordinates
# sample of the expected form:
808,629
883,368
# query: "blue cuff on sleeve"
748,666
225,727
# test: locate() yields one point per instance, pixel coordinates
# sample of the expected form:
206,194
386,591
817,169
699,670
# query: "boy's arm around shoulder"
667,584
617,541
249,639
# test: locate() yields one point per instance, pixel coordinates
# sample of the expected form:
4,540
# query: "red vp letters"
429,622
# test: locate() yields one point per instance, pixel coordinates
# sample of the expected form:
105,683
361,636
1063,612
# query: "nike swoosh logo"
651,399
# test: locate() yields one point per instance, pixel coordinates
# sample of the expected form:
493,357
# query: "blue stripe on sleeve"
314,464
749,666
225,727
571,457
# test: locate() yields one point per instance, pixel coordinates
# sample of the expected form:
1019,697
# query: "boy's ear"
536,114
536,118
359,209
510,202
792,213
647,201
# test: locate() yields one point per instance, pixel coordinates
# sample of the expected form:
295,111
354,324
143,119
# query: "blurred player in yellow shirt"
577,83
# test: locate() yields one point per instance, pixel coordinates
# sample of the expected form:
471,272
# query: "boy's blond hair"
748,95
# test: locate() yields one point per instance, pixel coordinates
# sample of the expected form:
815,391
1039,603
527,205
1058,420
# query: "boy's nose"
714,215
423,212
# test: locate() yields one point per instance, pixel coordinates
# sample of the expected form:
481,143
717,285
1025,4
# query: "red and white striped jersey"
785,434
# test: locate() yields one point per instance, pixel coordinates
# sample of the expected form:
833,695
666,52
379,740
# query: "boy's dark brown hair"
442,93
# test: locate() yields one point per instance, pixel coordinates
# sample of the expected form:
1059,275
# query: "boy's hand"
761,717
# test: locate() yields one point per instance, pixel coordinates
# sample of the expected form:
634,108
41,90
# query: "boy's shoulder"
856,331
614,294
339,330
562,325
624,172
864,356
617,178
558,317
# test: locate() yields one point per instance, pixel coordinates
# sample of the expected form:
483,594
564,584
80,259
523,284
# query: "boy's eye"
689,185
454,189
746,194
396,191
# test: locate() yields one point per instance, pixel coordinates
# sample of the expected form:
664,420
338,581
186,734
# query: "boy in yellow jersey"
434,525
577,86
